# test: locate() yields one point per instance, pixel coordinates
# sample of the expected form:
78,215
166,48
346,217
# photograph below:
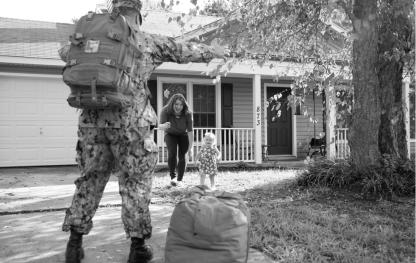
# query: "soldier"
122,141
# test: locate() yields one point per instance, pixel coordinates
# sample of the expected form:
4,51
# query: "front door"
279,122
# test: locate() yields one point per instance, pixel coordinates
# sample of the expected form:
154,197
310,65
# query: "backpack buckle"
76,39
109,62
90,15
114,36
72,62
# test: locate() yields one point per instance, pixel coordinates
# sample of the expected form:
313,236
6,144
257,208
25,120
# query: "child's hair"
212,136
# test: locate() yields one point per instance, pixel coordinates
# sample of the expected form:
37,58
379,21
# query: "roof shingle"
37,39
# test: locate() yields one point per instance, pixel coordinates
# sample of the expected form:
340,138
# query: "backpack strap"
94,89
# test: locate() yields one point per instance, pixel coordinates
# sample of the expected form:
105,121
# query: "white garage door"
37,127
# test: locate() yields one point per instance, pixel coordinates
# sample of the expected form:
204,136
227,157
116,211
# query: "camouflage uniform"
109,141
122,141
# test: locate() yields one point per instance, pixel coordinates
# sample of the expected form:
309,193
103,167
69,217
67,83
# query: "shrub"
391,177
328,173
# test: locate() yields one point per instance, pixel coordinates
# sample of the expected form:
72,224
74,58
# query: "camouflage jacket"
155,50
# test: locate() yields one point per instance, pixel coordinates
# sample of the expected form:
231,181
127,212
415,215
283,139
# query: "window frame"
189,93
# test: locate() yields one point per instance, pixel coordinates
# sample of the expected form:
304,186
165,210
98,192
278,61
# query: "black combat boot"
74,251
139,252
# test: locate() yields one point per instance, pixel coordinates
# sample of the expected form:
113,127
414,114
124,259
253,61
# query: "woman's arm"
218,154
190,130
164,124
198,155
191,141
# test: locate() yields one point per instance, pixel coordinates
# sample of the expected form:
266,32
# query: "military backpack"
102,67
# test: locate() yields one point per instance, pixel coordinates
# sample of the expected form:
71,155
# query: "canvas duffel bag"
208,228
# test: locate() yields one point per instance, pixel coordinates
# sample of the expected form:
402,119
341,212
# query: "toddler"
207,159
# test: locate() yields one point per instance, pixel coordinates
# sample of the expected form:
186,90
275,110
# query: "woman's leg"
172,145
183,149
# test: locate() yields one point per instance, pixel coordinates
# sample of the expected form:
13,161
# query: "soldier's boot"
139,252
74,251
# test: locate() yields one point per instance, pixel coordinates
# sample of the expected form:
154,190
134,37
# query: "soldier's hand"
221,51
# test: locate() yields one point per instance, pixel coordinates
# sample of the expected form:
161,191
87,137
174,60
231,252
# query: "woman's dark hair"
169,106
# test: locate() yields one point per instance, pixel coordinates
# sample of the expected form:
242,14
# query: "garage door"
37,127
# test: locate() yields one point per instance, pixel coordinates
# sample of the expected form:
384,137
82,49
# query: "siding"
412,147
304,126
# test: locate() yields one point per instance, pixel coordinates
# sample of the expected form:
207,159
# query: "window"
169,89
204,105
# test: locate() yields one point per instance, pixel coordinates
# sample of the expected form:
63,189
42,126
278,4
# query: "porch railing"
342,149
235,144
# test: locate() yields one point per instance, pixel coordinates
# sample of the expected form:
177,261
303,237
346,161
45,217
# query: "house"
38,127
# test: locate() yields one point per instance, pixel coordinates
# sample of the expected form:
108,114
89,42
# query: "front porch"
239,145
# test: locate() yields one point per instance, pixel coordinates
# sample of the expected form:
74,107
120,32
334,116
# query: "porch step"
284,158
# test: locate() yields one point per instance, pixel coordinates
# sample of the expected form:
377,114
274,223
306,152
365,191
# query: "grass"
291,224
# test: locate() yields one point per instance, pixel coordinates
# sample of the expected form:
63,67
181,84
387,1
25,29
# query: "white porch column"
257,117
330,122
406,114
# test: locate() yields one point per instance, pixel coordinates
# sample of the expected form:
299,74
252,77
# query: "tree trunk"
364,131
394,26
392,131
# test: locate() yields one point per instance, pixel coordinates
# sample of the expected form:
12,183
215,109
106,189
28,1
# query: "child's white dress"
208,160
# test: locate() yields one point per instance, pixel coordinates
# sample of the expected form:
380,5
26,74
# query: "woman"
176,120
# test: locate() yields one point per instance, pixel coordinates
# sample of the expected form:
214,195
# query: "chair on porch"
317,145
265,152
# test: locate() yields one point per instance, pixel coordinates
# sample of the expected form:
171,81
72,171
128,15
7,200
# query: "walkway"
32,204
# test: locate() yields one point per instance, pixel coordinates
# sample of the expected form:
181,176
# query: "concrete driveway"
32,208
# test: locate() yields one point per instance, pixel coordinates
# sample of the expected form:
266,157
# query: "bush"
328,173
391,177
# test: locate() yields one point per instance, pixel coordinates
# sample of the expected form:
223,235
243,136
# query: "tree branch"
347,6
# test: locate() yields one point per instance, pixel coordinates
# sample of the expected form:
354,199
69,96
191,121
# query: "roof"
156,22
38,39
226,27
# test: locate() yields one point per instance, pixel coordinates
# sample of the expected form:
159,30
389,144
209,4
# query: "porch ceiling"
243,69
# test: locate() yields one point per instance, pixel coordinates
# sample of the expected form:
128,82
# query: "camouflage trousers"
101,151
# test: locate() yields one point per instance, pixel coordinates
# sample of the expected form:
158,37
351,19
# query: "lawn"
313,225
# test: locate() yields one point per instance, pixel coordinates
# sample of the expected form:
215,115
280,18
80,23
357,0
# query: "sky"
58,10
